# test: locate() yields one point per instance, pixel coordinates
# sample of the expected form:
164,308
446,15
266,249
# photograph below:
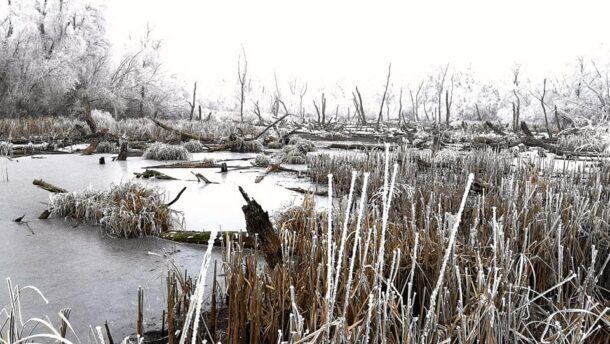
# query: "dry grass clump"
6,148
296,151
162,151
107,147
262,160
245,146
482,251
302,145
194,146
127,210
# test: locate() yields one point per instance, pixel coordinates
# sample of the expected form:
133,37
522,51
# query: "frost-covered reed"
479,247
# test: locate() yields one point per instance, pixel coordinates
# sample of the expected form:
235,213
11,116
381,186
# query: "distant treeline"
55,58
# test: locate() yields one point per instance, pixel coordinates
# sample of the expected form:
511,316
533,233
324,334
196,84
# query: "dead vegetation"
126,210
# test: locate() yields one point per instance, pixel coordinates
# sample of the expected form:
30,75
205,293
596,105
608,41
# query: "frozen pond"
96,276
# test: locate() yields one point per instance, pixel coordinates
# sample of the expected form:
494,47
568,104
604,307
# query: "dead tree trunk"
192,104
258,223
242,74
546,119
383,98
123,151
89,118
557,118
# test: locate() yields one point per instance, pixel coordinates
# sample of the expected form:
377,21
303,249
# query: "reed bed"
107,147
478,248
127,210
163,152
134,129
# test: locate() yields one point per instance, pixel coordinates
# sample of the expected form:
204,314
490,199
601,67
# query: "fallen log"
494,128
307,192
188,164
526,130
201,177
48,187
258,224
202,238
183,135
153,174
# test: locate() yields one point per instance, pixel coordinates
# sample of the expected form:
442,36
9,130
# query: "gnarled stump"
257,222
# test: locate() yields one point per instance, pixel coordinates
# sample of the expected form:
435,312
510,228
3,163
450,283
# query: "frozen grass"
472,249
127,210
262,160
296,151
107,147
194,146
162,151
245,146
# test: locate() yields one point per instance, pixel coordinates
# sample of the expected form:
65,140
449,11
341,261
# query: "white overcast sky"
330,42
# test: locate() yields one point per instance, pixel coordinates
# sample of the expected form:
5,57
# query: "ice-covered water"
96,276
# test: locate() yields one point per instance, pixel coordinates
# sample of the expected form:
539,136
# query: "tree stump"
122,151
257,222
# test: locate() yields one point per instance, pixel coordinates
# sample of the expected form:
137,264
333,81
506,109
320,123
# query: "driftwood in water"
122,151
176,198
153,174
307,192
224,168
258,223
271,168
188,164
48,187
201,178
102,161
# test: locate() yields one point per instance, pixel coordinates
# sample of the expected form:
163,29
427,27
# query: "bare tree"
357,98
385,93
192,104
516,104
321,111
440,86
400,107
415,101
242,74
301,95
542,103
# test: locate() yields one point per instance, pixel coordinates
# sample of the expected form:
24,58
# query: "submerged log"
258,223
